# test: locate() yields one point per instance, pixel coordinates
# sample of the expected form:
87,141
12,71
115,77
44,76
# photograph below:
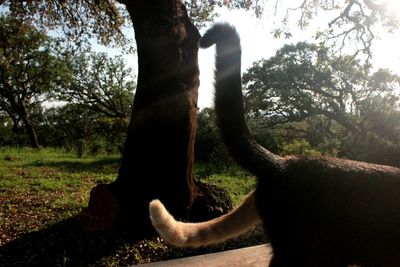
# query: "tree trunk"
15,127
159,151
30,129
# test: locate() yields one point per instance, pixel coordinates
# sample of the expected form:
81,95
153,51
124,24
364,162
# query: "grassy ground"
42,190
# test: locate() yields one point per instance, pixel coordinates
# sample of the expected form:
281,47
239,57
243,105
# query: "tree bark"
30,129
159,151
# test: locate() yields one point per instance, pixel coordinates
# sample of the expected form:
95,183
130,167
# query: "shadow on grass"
62,244
106,165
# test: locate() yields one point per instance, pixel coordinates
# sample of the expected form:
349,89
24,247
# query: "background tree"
209,148
78,20
356,23
77,127
100,83
93,105
7,137
28,69
305,80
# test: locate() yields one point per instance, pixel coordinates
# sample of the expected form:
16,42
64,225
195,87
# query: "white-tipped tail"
182,234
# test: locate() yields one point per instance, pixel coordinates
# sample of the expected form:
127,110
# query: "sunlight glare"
393,6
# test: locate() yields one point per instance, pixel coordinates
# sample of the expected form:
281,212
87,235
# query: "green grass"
34,181
51,169
237,182
40,190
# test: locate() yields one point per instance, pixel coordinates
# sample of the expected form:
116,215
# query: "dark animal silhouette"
317,211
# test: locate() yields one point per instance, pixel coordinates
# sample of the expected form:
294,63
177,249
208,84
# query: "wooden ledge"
257,256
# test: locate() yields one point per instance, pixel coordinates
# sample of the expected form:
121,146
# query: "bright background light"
257,42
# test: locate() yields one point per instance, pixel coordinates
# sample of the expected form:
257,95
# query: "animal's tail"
182,234
229,103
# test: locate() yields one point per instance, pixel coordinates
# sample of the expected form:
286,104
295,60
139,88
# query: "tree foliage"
103,84
29,68
79,20
78,128
208,146
97,104
96,90
203,11
355,21
306,81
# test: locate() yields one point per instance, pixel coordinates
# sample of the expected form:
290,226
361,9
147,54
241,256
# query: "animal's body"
317,211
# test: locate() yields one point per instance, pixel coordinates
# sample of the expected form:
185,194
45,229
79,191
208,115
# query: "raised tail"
229,103
217,230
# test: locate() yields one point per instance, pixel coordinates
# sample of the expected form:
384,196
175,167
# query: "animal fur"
317,211
182,234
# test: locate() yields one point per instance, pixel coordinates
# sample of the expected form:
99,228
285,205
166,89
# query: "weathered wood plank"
257,256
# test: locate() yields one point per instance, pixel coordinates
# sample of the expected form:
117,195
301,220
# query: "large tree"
103,84
28,69
306,80
158,156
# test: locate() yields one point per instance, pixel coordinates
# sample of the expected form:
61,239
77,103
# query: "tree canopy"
79,20
35,70
306,81
101,83
29,68
353,21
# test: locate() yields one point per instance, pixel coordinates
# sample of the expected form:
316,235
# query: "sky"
258,42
